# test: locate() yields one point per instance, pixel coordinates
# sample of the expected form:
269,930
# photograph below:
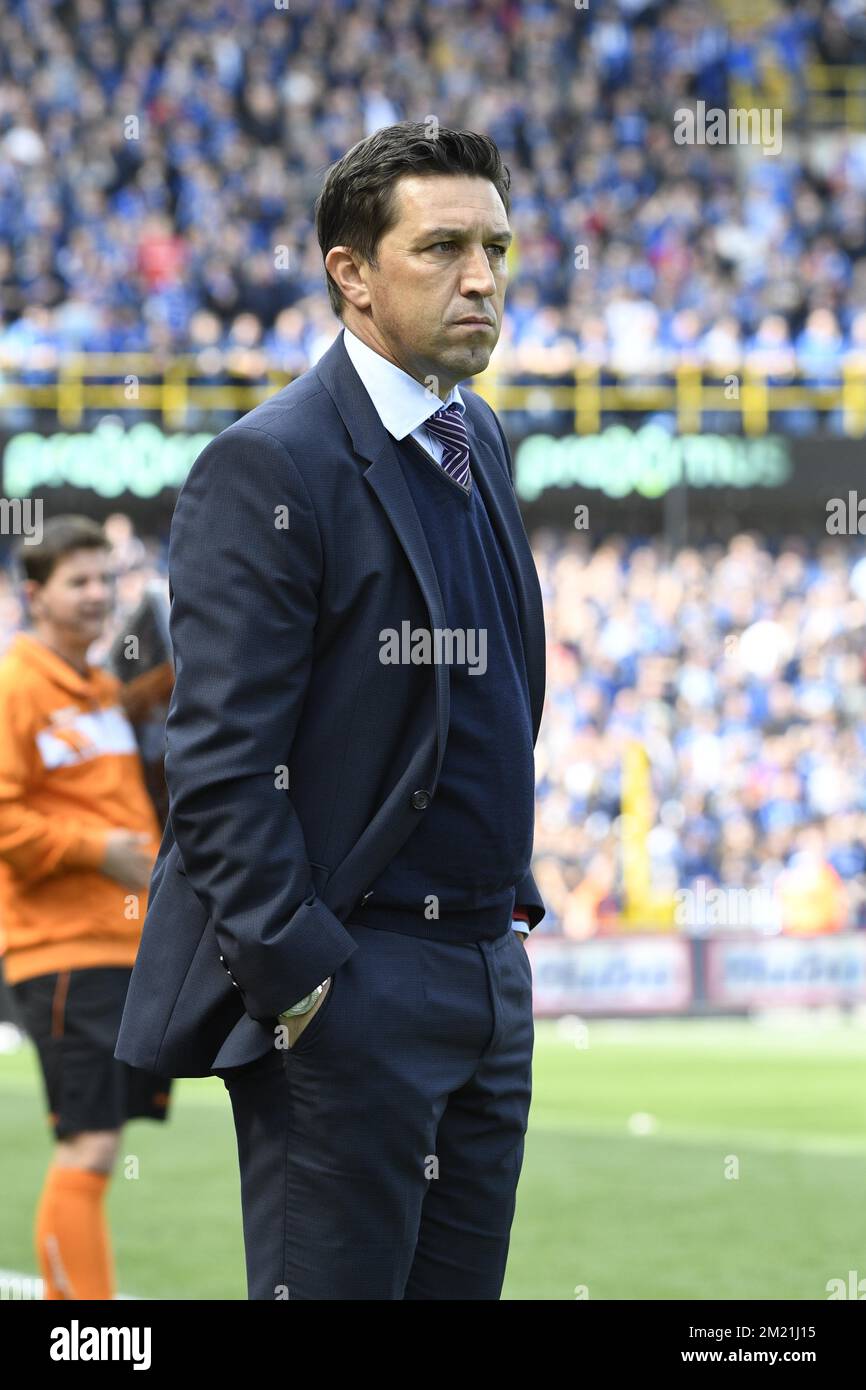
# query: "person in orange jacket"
78,838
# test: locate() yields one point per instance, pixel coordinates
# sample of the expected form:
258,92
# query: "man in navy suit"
335,916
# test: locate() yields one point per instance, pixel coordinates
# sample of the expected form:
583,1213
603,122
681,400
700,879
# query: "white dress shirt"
401,402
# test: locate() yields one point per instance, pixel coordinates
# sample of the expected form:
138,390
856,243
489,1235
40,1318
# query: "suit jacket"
297,763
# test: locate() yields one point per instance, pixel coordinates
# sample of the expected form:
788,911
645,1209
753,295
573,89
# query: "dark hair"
60,537
356,206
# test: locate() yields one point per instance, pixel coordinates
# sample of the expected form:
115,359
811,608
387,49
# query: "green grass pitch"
627,1189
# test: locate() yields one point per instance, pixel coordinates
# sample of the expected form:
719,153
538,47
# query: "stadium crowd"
159,164
158,170
739,668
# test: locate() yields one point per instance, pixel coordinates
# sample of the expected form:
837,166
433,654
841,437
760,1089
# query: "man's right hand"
295,1026
128,858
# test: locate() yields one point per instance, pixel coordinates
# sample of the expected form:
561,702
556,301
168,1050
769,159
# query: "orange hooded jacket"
70,773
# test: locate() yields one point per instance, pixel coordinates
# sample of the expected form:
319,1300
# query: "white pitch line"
17,1287
834,1146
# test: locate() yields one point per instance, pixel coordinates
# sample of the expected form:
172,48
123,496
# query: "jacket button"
420,800
228,972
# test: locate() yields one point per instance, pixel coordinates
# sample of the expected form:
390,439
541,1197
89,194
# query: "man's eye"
500,250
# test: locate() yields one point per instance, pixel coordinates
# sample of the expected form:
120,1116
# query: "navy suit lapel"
385,476
373,443
498,495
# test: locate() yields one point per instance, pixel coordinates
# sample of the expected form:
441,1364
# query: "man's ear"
347,270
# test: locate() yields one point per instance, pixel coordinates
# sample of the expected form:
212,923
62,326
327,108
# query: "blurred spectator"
741,671
160,162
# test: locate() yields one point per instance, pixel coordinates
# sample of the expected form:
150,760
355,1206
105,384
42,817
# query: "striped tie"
448,426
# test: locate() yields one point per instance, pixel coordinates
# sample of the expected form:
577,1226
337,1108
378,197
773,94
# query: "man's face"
76,598
444,261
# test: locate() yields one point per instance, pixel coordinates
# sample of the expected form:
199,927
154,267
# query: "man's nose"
477,277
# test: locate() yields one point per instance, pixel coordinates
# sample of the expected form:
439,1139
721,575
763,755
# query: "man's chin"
468,362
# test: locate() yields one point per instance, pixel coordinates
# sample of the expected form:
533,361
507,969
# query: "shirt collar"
401,402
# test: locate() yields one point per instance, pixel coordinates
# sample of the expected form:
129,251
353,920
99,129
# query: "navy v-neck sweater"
473,843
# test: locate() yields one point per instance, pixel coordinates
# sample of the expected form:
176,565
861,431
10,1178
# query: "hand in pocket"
296,1027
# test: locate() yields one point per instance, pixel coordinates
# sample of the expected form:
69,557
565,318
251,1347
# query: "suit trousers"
380,1154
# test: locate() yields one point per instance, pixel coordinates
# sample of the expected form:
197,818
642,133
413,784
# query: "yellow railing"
172,392
747,14
836,95
829,95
